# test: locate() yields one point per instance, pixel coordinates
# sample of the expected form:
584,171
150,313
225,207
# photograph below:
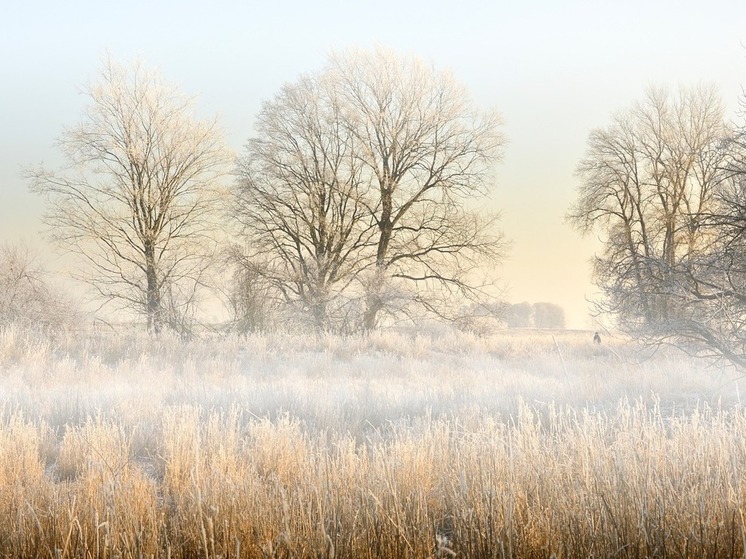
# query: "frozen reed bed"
394,445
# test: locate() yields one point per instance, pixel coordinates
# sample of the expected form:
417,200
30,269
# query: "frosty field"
527,444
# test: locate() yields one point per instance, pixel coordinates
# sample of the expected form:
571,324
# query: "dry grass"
386,447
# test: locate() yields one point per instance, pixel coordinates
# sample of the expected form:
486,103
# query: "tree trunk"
320,318
374,299
374,296
154,309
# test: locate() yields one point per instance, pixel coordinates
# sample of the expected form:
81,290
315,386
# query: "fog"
301,445
552,72
259,429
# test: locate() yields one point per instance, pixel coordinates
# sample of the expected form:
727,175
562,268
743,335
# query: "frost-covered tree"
665,188
648,181
362,186
428,153
137,198
301,205
709,287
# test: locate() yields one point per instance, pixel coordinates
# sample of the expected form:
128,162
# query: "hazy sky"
554,70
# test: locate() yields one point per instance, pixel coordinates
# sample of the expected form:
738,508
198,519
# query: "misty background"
553,72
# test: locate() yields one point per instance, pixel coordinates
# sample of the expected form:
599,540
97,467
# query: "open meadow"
520,444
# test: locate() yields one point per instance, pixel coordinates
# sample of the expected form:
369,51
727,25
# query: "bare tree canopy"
301,202
664,187
429,154
137,199
710,286
362,186
646,182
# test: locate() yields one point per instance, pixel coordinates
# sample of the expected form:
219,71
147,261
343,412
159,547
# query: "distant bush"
538,315
548,315
27,297
519,315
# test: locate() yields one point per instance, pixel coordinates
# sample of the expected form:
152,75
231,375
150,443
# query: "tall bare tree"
301,204
363,181
137,199
710,286
428,153
647,183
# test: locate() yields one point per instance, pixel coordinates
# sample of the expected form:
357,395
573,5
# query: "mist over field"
326,281
439,444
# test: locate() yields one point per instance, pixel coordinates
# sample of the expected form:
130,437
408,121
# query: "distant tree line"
536,315
356,203
664,188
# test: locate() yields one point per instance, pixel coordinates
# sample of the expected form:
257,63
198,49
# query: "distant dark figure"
596,338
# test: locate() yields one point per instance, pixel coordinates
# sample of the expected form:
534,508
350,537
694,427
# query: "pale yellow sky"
554,70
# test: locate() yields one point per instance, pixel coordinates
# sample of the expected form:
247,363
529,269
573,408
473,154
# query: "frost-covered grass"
395,445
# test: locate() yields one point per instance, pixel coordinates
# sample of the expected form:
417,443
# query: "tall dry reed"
293,447
631,483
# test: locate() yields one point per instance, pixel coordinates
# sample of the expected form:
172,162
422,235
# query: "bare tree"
300,201
710,286
27,297
362,183
137,199
666,188
647,183
428,154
